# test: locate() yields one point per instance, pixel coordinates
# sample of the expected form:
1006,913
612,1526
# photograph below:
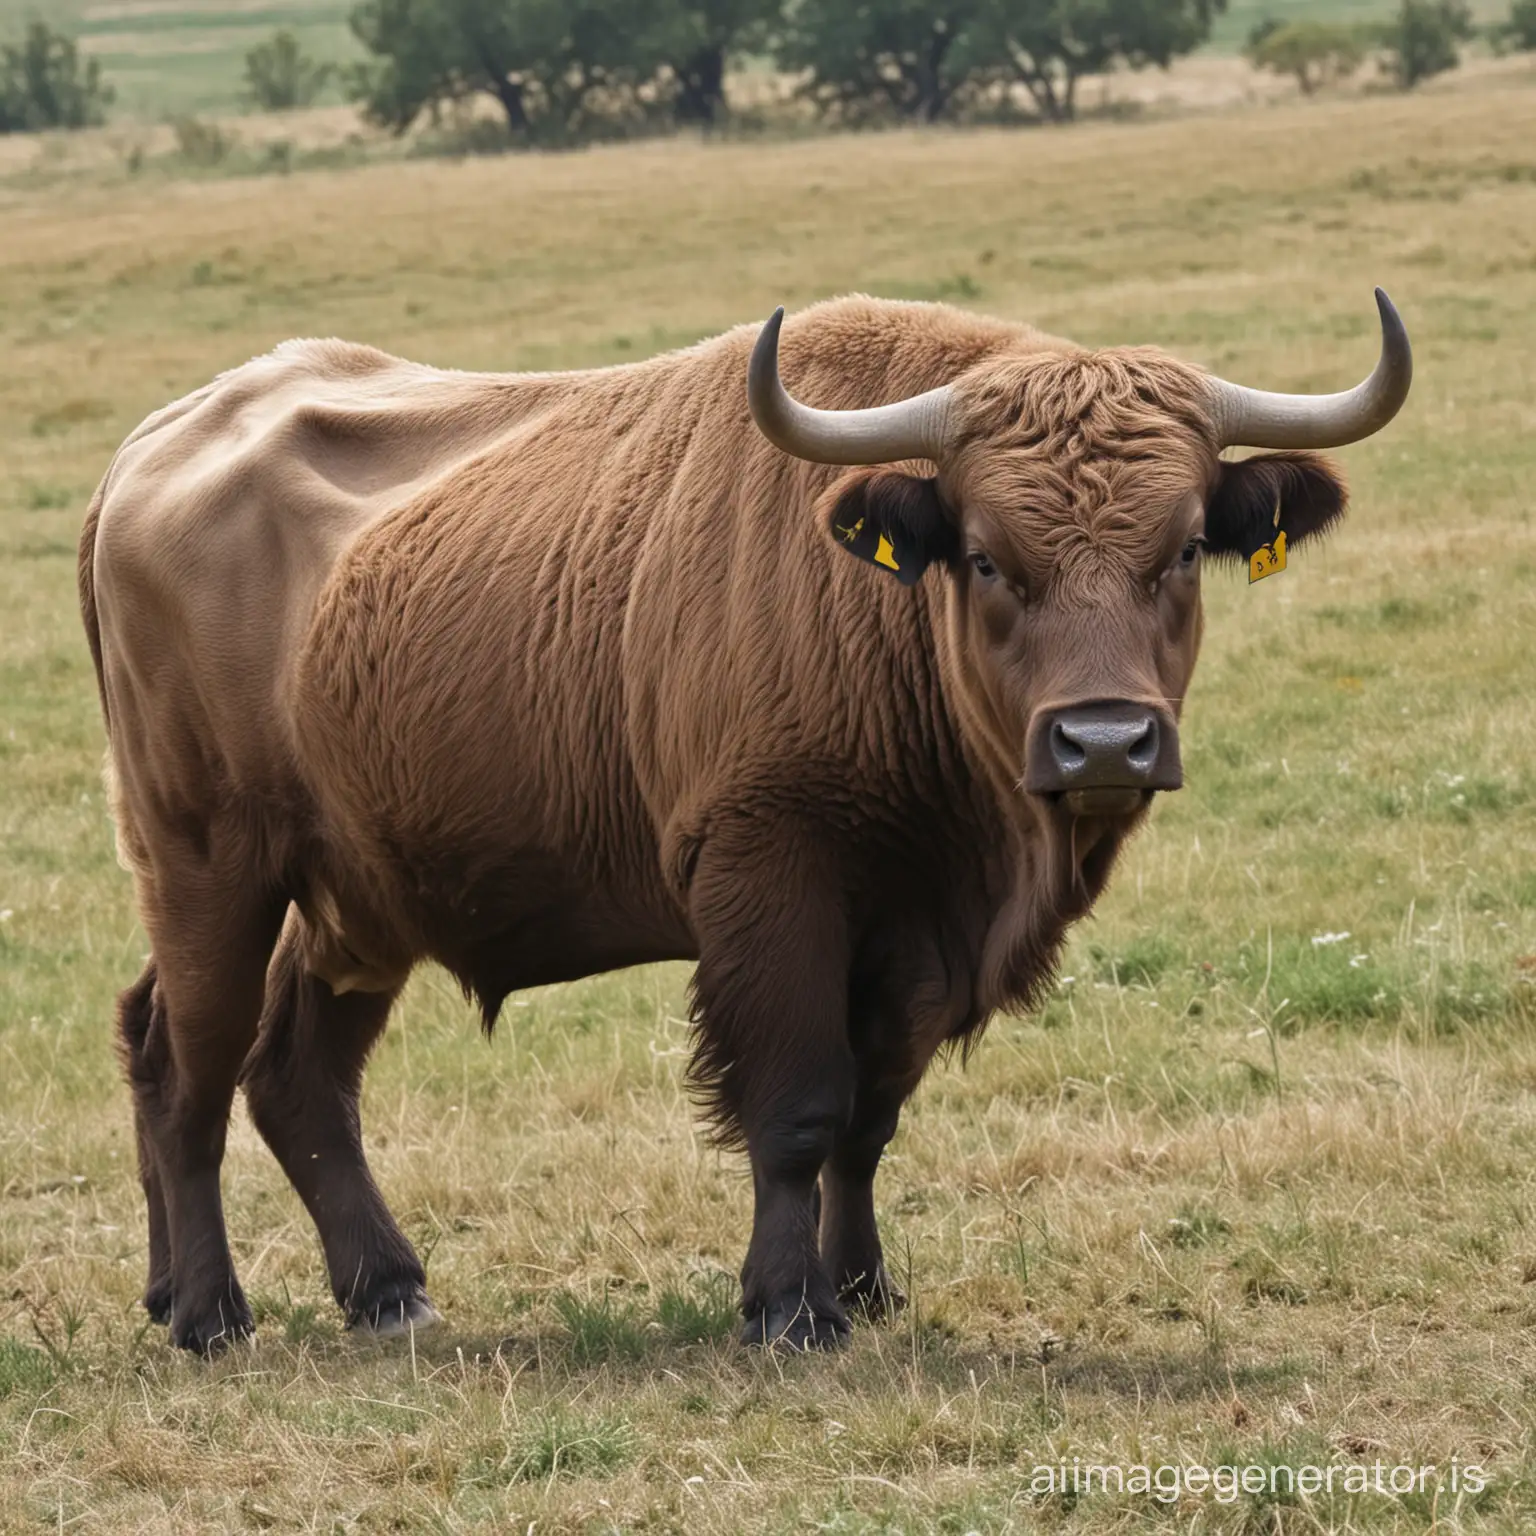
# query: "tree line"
1421,40
560,69
564,71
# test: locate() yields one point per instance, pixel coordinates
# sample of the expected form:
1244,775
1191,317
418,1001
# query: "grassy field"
1257,1186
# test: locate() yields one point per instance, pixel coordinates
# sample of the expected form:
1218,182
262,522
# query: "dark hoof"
158,1299
399,1307
877,1299
793,1325
211,1330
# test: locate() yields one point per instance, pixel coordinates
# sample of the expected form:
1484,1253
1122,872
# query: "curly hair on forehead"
1114,403
1081,446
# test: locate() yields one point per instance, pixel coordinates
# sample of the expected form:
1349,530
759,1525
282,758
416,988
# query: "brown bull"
541,675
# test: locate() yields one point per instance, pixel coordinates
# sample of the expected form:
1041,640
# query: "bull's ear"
1305,489
894,521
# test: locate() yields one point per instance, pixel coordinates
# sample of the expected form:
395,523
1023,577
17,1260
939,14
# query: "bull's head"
1076,496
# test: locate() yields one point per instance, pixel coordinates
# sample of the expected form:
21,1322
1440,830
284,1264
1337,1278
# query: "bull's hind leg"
302,1083
135,1024
771,996
185,1038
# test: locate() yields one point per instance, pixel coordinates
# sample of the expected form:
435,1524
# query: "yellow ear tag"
1266,560
886,556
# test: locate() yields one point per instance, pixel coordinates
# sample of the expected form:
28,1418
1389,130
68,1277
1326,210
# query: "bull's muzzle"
1103,758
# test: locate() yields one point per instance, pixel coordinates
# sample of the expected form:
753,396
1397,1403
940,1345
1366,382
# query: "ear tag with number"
1267,559
871,542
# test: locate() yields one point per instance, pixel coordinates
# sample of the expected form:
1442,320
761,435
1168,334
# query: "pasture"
1259,1183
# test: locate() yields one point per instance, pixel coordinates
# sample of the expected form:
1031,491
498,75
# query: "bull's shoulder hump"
226,513
318,437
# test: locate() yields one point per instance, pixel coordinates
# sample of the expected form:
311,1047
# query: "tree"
1518,33
556,69
432,51
1315,52
904,58
927,61
1421,39
44,83
695,41
280,76
1049,45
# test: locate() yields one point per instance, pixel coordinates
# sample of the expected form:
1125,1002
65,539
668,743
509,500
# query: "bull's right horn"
910,429
1256,418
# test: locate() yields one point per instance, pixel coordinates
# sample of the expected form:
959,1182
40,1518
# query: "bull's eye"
984,566
1191,551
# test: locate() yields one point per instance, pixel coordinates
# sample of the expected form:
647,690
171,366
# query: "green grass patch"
608,1327
23,1369
563,1444
1142,961
702,1311
1197,1227
1334,982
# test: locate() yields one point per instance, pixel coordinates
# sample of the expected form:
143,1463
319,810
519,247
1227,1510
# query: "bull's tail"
85,576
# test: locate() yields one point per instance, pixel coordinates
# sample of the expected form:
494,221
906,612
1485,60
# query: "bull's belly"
562,944
522,919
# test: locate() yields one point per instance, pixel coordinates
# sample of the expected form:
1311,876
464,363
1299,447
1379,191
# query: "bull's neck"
1048,873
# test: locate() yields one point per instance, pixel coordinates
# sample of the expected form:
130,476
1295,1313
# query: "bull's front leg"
773,1060
850,1237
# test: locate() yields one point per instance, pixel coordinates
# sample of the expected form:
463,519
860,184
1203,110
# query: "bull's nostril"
1143,751
1069,754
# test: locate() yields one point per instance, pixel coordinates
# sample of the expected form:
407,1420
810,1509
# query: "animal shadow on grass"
1184,1377
615,1327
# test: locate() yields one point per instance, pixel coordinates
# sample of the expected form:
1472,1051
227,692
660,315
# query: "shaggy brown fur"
542,675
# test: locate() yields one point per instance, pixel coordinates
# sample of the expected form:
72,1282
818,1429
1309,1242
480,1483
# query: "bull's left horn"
1255,418
911,429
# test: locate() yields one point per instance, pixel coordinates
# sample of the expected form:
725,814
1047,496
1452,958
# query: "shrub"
280,76
44,83
199,142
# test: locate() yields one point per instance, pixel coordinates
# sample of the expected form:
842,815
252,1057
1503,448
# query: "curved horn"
1255,418
911,429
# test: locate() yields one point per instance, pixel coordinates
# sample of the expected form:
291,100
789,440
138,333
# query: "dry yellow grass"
1233,1196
